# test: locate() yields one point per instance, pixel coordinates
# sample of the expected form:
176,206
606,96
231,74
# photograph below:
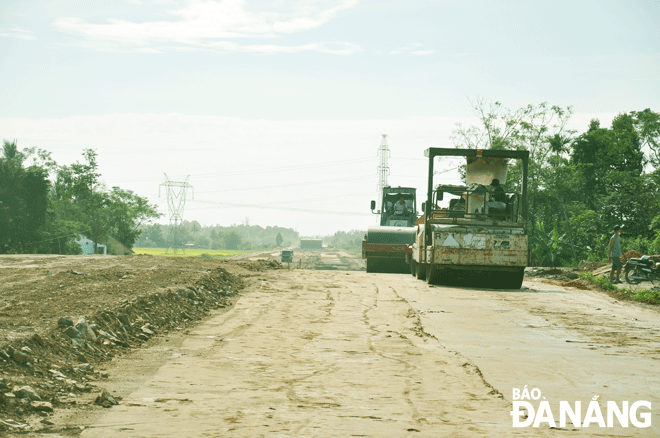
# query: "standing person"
614,254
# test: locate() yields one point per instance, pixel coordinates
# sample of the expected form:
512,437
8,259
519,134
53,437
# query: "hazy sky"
275,109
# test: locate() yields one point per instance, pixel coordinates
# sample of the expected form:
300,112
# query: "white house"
88,246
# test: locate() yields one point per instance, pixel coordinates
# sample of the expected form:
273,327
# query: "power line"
260,171
289,184
275,207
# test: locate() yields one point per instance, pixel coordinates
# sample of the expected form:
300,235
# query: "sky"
273,111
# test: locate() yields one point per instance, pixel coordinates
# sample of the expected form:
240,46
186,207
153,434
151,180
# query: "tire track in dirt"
312,353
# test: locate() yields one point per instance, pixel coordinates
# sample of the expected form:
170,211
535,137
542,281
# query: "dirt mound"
556,274
591,266
581,284
632,254
61,318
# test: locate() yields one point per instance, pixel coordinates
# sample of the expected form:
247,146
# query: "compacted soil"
99,346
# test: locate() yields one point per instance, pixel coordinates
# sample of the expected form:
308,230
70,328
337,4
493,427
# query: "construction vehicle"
287,255
474,234
384,247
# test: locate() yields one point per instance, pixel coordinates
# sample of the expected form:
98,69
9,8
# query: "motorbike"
642,269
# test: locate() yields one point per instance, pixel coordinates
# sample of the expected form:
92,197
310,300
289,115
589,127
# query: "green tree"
232,240
279,239
217,239
78,185
195,227
647,125
80,197
540,129
609,163
154,233
125,213
23,201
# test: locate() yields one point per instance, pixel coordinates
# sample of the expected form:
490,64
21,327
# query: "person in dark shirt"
498,191
614,255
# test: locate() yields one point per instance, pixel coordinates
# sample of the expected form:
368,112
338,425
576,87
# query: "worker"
498,191
400,207
458,205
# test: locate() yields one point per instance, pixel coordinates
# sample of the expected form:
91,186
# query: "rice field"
189,252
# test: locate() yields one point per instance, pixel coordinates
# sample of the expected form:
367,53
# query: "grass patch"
190,252
647,296
603,282
642,295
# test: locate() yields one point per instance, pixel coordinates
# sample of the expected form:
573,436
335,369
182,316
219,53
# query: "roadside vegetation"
641,295
45,207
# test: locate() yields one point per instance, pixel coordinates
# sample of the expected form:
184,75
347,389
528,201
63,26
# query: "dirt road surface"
339,353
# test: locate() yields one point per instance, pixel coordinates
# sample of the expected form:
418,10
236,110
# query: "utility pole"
176,201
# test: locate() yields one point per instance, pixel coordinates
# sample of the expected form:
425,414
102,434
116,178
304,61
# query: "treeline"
235,237
348,240
580,184
45,207
238,237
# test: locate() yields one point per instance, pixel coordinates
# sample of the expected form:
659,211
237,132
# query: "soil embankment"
62,318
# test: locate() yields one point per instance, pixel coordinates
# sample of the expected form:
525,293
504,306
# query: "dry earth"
62,318
65,320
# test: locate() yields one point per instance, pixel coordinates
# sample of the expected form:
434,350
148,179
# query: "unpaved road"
313,353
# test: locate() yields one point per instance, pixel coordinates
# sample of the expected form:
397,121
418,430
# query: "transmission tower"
176,201
383,167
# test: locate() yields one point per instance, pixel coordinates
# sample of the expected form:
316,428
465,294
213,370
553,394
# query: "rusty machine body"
474,234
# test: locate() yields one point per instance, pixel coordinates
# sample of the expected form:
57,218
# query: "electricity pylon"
383,167
176,202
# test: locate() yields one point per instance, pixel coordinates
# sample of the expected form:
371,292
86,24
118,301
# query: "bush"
640,244
603,282
648,296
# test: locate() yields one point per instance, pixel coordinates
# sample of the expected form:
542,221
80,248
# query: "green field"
210,253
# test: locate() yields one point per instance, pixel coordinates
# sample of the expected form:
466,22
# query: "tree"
125,213
232,239
82,198
279,239
217,239
23,201
154,234
78,184
610,168
647,125
540,129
